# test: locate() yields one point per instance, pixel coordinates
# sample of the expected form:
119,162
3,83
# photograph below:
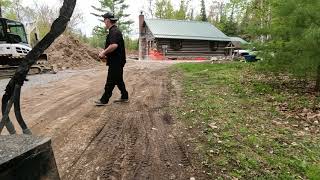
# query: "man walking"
115,56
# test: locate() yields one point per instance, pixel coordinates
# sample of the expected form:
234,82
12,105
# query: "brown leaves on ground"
300,104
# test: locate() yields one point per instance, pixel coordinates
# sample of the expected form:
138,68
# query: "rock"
213,125
172,176
54,68
300,133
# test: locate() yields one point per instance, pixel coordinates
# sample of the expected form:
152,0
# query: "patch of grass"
237,117
260,87
279,98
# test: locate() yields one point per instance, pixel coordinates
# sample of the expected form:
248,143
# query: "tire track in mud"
136,142
120,141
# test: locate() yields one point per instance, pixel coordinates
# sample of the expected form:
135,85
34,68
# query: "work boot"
122,100
100,103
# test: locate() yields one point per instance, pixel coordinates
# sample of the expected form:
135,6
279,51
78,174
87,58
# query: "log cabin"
180,39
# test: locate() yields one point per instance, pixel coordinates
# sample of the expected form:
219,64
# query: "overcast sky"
90,21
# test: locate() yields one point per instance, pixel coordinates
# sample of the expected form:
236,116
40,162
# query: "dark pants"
115,77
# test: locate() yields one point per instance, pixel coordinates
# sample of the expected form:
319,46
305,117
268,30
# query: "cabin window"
176,44
214,45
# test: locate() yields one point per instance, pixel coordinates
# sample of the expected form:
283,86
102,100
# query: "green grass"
252,139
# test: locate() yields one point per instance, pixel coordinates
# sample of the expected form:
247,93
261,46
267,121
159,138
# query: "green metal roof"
178,29
238,39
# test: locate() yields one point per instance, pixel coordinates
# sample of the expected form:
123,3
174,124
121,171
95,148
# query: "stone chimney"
141,21
142,38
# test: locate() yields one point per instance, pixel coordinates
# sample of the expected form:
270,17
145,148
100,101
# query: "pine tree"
294,38
203,13
169,11
118,8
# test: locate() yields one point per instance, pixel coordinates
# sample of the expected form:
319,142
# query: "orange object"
200,58
156,55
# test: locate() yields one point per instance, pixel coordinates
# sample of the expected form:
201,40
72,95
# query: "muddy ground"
138,140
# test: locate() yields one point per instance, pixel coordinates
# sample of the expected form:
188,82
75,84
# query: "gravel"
44,79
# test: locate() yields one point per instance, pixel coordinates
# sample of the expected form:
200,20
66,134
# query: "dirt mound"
69,52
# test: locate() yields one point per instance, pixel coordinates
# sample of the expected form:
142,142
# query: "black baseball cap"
110,16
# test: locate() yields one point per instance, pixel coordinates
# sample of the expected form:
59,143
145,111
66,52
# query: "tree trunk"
0,10
318,79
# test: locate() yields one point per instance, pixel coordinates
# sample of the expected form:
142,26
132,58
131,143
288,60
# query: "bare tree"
4,3
17,8
216,10
151,8
76,18
42,16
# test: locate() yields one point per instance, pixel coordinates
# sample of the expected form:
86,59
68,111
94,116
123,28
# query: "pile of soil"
68,52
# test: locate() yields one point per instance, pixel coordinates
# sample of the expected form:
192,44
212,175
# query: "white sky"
90,21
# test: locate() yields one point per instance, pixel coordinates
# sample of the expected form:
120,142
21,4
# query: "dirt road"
120,141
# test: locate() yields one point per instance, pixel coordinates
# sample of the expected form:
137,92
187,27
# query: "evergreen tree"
230,19
118,8
169,11
294,38
203,13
